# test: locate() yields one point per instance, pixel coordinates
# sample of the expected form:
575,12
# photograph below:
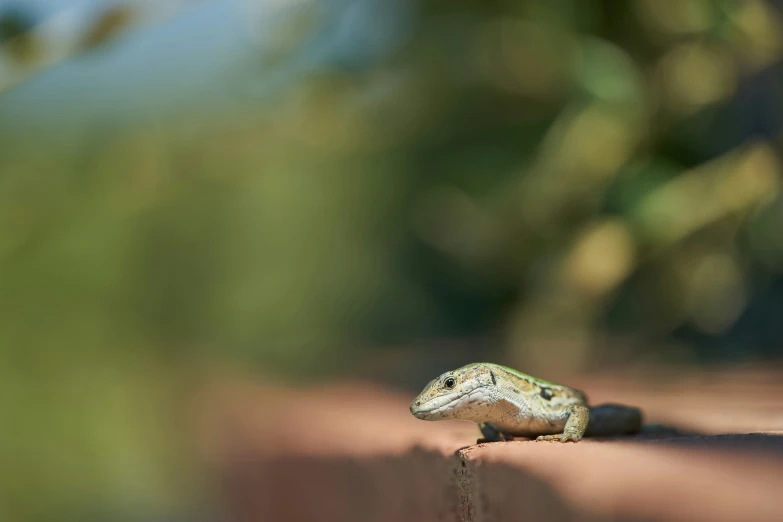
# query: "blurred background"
301,190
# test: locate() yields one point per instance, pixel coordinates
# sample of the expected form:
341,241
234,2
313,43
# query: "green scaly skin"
506,403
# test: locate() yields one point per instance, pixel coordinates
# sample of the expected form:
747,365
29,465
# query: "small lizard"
507,403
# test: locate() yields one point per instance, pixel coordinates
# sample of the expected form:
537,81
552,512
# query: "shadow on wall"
509,481
419,486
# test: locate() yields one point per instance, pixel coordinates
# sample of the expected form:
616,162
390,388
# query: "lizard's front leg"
492,433
575,425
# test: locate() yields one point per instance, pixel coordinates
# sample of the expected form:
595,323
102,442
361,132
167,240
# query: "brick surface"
353,452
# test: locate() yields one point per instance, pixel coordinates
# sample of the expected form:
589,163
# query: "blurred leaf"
16,37
107,26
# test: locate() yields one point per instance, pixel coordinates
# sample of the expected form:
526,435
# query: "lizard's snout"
415,407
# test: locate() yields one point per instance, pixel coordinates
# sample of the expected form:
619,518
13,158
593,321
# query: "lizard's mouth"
440,407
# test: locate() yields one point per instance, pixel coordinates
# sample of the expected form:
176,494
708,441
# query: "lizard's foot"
492,434
561,437
575,426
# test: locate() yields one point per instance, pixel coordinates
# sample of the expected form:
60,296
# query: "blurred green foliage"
583,182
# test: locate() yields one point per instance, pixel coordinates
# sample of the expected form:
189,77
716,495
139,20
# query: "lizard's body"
505,402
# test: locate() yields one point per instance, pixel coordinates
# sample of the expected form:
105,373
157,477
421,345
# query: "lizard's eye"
449,383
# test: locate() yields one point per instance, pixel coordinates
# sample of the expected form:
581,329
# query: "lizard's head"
455,394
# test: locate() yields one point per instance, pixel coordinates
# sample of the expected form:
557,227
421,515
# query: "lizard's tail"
613,419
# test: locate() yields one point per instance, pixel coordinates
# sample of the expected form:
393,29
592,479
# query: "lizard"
506,403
